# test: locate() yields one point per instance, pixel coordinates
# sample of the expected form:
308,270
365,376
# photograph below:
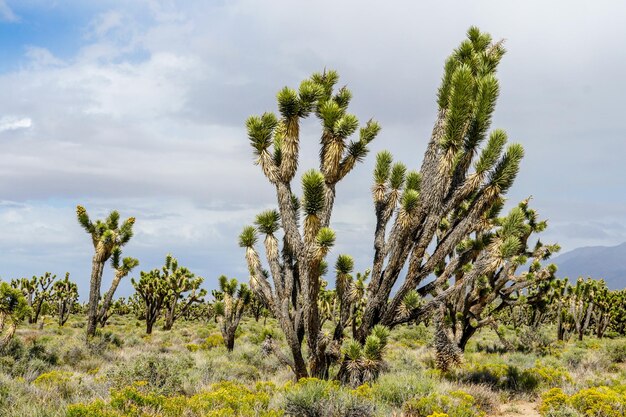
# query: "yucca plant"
13,310
65,295
107,236
363,363
233,300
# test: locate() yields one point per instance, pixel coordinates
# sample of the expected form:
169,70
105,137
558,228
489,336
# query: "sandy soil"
519,409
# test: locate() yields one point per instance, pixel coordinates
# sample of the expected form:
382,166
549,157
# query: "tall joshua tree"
107,237
64,294
295,268
457,183
122,268
422,216
229,310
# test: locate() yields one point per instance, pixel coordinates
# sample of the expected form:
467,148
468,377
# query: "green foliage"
311,397
248,237
313,192
456,403
220,400
592,402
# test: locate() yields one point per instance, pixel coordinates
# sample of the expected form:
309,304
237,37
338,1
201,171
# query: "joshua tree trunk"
169,318
149,324
97,266
64,312
103,315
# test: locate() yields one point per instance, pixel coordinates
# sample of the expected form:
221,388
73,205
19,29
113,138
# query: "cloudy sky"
139,106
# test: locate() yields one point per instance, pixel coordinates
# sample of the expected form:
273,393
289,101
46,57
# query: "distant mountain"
598,262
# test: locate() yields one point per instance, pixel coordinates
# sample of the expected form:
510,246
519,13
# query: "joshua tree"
423,216
256,307
295,269
153,290
230,309
36,291
13,309
183,290
64,294
618,312
457,183
485,268
582,303
107,237
121,269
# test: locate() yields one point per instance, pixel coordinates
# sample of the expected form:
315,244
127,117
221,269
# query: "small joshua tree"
229,310
37,292
153,290
122,268
183,290
13,309
107,236
64,294
363,364
581,304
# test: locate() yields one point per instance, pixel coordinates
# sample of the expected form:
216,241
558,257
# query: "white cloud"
6,14
14,123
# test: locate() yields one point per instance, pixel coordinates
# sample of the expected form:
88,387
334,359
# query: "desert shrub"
74,355
212,341
413,335
311,397
456,403
574,357
395,389
39,351
14,349
220,400
59,382
551,376
616,352
30,369
536,340
591,402
485,398
512,378
192,347
160,373
599,402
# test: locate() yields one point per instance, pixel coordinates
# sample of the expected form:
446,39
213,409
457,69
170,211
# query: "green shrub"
220,400
311,397
212,341
617,351
395,389
160,374
591,402
456,403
